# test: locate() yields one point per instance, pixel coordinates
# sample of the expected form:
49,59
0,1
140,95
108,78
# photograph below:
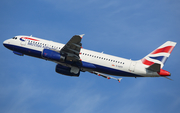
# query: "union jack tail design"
159,55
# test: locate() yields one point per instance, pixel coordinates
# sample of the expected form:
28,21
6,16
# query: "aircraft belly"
115,72
26,51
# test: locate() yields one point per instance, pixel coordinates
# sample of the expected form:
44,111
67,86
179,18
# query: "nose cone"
5,43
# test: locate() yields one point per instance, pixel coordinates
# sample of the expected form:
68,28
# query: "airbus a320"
71,58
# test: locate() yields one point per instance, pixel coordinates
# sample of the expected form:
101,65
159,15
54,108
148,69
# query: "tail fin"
160,55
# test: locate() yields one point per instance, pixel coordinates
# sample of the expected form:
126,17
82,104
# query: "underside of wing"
106,76
72,48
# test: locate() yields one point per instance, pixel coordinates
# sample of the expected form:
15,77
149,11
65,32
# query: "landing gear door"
132,66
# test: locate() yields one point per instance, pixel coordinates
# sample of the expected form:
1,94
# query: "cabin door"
132,66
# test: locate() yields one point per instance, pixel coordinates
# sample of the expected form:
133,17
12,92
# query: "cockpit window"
14,38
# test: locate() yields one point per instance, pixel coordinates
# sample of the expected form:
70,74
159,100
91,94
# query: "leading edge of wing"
72,48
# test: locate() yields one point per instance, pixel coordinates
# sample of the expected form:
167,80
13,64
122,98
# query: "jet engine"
52,55
66,71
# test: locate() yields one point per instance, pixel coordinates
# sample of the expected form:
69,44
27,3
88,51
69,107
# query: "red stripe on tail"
167,49
147,62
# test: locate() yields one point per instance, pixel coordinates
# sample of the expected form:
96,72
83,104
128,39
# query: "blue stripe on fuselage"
24,50
98,68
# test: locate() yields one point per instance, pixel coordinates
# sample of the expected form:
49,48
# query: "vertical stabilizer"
160,55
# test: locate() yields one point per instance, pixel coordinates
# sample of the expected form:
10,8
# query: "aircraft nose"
5,43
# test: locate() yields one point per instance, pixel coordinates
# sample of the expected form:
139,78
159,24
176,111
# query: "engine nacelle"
52,55
66,71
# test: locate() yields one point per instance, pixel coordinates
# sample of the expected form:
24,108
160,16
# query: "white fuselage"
105,63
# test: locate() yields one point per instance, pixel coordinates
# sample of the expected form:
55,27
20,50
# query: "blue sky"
129,29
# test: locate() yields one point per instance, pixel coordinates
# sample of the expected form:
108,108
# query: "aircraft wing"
106,76
72,48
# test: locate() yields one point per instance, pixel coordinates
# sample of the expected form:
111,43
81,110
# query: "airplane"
71,58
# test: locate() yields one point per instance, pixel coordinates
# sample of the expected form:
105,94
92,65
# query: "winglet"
119,80
81,35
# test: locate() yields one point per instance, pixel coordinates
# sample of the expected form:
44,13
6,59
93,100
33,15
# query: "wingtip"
119,80
82,35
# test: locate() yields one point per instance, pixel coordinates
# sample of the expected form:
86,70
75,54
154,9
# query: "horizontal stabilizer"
167,78
154,67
